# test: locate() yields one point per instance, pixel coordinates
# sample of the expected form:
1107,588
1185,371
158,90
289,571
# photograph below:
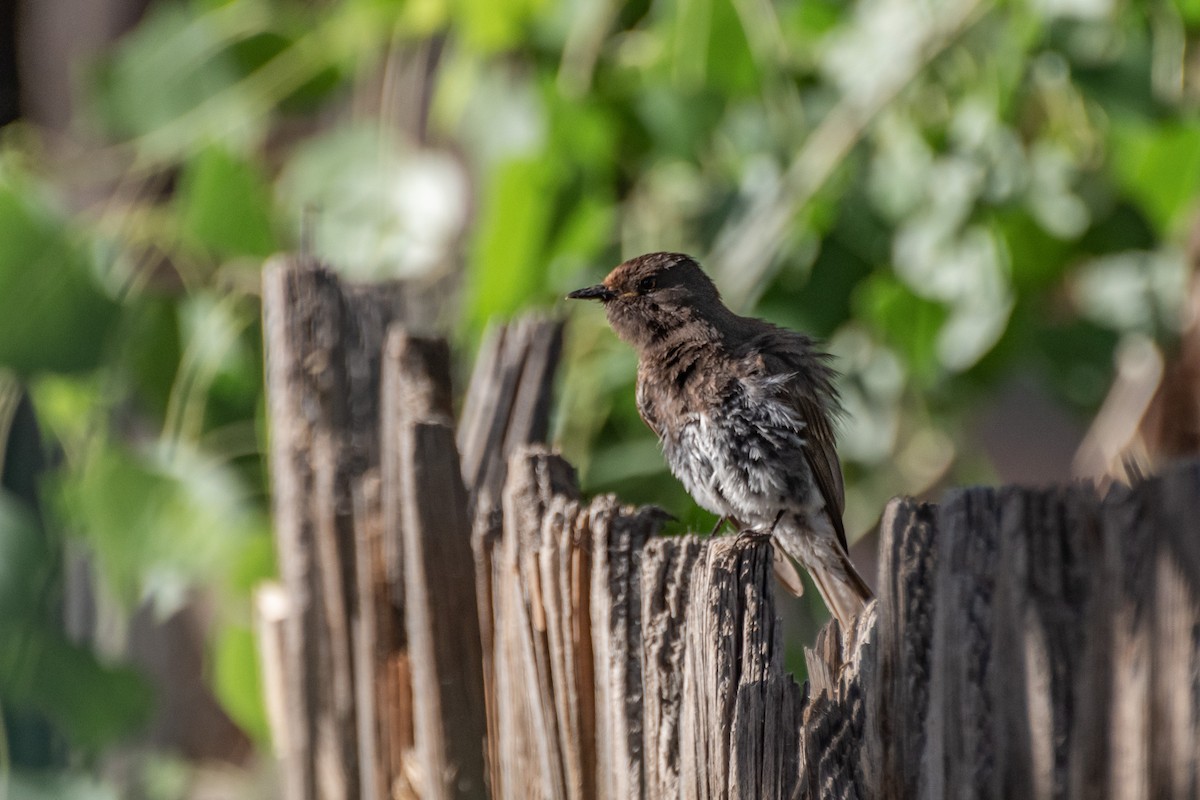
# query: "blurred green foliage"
950,192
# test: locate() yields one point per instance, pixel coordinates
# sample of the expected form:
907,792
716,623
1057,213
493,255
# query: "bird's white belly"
734,468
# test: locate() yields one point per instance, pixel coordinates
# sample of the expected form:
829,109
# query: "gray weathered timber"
740,712
628,665
508,402
903,639
1038,643
373,638
667,569
507,406
323,344
441,616
1035,643
540,507
415,386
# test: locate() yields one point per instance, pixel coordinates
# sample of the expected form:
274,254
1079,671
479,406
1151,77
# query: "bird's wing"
646,408
809,390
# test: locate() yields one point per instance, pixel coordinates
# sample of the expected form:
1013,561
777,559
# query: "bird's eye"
646,285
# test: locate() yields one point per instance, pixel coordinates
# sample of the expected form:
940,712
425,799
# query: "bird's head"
648,297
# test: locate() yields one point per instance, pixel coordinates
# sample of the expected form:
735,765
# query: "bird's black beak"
598,292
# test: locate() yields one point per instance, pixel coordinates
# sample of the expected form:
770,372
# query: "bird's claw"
748,536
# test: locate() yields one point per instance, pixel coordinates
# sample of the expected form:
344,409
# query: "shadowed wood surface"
441,616
470,627
1026,643
323,342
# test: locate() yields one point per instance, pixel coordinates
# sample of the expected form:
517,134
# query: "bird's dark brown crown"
649,297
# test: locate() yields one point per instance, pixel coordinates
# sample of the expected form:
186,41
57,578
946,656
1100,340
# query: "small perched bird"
743,410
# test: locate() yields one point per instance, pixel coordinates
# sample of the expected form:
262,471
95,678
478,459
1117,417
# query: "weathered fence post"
473,627
374,531
1033,643
323,347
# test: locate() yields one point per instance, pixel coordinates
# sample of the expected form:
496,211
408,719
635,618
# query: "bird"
744,411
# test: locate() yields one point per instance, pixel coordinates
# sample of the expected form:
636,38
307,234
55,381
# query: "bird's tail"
844,591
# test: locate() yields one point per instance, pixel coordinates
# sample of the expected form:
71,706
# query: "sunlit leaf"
374,208
236,681
1159,165
224,205
507,260
490,25
1189,10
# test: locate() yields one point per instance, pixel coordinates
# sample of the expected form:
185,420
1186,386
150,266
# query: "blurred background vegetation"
979,204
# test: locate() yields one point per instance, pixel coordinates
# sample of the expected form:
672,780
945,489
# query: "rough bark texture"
628,665
1037,643
323,345
441,616
1026,643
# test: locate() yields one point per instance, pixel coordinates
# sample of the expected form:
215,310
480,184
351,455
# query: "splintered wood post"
667,569
431,576
739,735
617,541
1025,643
471,628
904,638
626,665
508,402
528,756
507,406
373,637
323,344
415,387
441,615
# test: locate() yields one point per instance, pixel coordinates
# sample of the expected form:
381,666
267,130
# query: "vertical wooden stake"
441,614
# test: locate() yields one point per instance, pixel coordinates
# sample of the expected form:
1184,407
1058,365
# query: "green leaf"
731,66
224,205
490,25
253,563
256,51
42,675
1159,166
53,315
507,266
681,123
150,351
160,521
237,682
175,83
1038,259
1190,11
812,19
27,563
910,324
91,703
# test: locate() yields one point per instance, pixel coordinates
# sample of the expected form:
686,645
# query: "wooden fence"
455,620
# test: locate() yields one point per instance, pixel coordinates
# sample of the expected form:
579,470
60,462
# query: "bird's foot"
748,536
717,528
